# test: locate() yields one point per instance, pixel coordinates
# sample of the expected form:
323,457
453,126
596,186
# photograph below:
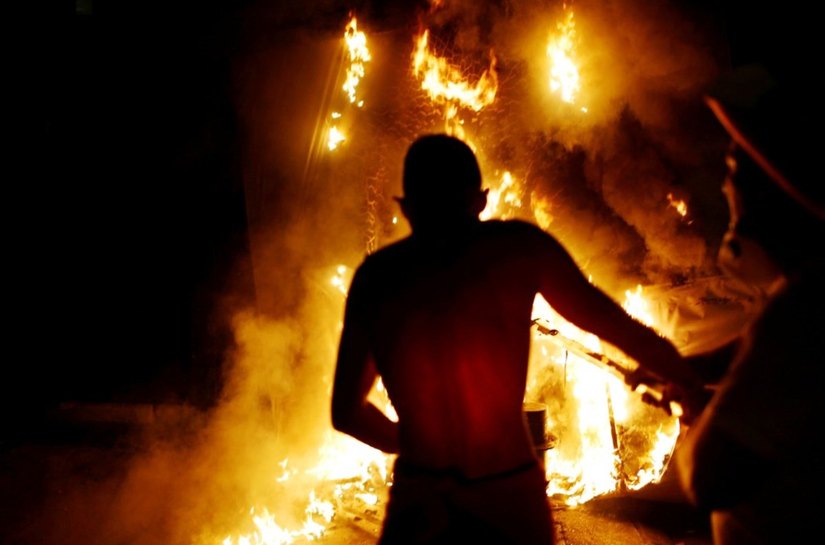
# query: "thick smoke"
193,477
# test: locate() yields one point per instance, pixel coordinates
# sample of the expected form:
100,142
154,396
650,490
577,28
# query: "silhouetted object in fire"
754,456
443,317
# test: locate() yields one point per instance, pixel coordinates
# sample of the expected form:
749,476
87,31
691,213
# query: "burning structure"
580,125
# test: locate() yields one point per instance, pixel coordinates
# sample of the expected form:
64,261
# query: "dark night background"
132,227
132,150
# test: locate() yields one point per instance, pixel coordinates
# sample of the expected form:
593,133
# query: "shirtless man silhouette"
444,316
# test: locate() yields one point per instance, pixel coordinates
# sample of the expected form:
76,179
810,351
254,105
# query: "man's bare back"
450,323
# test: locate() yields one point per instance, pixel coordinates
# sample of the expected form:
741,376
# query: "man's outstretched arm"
355,375
567,290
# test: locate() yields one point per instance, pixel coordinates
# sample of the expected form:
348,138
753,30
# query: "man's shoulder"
518,233
512,226
512,233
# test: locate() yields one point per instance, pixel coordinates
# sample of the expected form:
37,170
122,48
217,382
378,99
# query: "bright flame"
507,193
268,532
446,84
564,73
597,412
637,306
286,474
679,205
335,138
381,399
353,476
658,457
358,55
339,279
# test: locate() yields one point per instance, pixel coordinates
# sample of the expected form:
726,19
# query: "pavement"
63,482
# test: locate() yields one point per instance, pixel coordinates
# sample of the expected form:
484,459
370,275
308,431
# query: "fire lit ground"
586,120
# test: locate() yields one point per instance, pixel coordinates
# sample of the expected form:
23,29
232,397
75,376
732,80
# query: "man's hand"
686,403
677,400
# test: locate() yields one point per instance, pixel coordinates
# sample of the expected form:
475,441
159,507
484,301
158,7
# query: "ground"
64,484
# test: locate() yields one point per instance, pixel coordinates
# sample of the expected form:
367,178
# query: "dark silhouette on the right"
754,458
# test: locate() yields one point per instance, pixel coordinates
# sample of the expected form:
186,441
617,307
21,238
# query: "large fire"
605,438
564,72
447,85
357,55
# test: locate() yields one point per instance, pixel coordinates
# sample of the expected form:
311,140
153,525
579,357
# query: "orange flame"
335,138
679,205
446,84
358,54
564,72
636,305
590,459
507,193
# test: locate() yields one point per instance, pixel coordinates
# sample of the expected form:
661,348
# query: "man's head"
442,183
773,187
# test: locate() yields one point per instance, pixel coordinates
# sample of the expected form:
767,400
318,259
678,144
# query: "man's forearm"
655,354
659,356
